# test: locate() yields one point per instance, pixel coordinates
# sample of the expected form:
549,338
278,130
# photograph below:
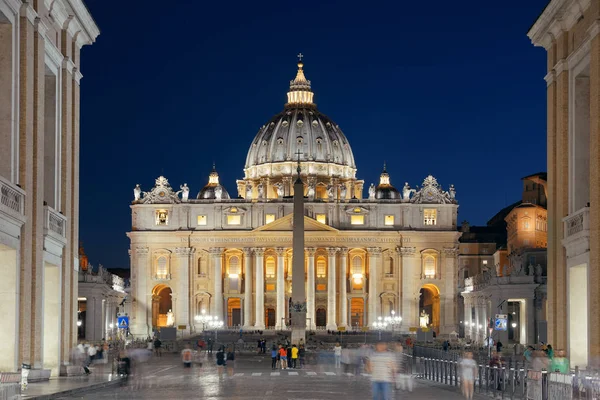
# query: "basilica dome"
300,132
213,189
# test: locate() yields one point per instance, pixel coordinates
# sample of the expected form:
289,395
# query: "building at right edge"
568,30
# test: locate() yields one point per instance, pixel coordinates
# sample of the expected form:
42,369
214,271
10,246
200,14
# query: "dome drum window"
319,140
299,139
279,141
285,124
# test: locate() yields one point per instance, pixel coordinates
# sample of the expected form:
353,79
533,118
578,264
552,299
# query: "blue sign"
123,322
501,323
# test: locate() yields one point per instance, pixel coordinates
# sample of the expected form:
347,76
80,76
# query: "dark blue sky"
453,89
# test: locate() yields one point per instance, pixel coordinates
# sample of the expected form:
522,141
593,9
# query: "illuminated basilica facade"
389,252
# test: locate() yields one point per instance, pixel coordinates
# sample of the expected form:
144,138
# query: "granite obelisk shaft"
298,311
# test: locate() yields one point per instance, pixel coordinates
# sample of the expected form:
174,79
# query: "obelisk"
298,309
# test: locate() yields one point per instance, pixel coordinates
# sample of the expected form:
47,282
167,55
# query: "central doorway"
162,303
270,317
357,310
234,315
429,306
321,317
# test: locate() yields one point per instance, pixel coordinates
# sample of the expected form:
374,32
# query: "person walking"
337,354
404,380
283,357
210,345
220,361
468,370
230,361
294,356
301,355
274,357
157,347
382,366
186,356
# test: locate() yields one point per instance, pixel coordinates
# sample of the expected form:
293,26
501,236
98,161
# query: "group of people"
546,358
287,357
389,367
87,353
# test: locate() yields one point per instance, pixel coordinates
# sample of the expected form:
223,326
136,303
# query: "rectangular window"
202,220
162,217
389,220
269,218
322,218
234,219
270,287
429,216
321,287
321,269
357,219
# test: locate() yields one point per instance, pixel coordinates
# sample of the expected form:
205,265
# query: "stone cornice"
594,29
184,251
68,64
558,15
14,5
41,27
85,19
57,11
549,78
53,54
77,75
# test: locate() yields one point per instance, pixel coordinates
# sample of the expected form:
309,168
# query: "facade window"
269,218
270,287
321,287
525,224
162,217
234,219
321,268
270,267
356,271
430,216
388,220
357,219
484,262
202,220
322,218
429,266
234,267
162,269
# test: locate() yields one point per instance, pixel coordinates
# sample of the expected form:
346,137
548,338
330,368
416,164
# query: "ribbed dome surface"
301,128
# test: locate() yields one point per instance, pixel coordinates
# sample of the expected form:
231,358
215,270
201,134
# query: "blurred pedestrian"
230,361
294,356
186,356
274,357
220,361
157,347
381,365
560,363
301,355
283,357
404,379
468,370
337,354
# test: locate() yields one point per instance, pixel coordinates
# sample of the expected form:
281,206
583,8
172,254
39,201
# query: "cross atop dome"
300,90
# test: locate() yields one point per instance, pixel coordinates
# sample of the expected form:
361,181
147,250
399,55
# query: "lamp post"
216,325
393,320
379,325
204,319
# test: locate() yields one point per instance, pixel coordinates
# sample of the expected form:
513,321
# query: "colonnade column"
182,317
247,288
331,289
280,315
141,308
410,292
259,311
374,254
343,288
217,256
310,289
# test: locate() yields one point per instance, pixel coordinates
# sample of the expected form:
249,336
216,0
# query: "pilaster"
280,313
259,279
331,289
343,287
247,288
374,306
182,317
310,289
217,259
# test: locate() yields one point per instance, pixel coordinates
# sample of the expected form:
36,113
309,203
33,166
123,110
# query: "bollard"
480,376
513,375
445,366
544,384
523,382
455,370
495,372
24,374
503,381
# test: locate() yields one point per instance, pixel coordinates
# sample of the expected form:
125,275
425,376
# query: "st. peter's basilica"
391,252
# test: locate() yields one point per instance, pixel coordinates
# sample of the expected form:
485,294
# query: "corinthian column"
280,323
247,288
374,254
310,289
331,290
183,296
259,312
343,289
410,310
217,256
140,327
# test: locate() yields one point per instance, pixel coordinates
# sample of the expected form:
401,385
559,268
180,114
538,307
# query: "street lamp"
514,324
79,323
216,325
379,325
393,320
204,319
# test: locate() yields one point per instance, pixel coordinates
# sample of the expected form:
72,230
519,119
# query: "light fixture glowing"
79,323
111,326
514,324
233,276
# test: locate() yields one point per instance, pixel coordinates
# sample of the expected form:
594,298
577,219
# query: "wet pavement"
251,378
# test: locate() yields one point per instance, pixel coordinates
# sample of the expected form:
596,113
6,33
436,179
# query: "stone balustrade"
55,222
577,222
12,198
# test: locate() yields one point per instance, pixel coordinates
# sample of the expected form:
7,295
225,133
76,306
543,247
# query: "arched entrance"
270,317
234,315
429,307
357,312
321,317
161,304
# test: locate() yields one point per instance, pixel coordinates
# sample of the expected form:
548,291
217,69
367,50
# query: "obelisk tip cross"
298,169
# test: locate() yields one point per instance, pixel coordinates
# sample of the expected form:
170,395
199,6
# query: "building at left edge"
40,44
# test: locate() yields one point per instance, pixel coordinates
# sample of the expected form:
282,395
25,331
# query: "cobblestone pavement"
252,378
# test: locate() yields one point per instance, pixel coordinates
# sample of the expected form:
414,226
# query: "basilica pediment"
286,224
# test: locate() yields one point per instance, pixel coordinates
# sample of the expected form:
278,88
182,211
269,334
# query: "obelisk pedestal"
298,309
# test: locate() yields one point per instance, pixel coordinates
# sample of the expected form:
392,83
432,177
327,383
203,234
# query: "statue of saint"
311,191
372,192
343,190
185,192
424,319
452,192
261,191
279,187
170,318
406,192
538,270
137,192
330,189
530,270
219,192
248,191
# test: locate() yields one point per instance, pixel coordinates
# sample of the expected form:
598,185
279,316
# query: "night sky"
452,89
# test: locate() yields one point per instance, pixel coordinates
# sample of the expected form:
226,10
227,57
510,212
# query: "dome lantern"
300,91
385,190
213,189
